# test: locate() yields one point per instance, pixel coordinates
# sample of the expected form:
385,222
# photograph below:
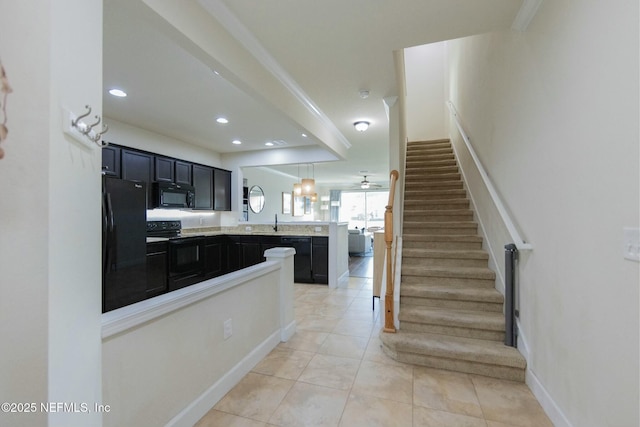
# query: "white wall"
132,136
50,209
176,366
426,113
553,115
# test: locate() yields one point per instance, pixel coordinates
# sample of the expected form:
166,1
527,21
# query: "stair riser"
434,195
493,371
438,217
430,150
441,245
442,262
426,158
439,231
410,326
452,304
420,178
449,281
416,163
439,205
441,185
428,172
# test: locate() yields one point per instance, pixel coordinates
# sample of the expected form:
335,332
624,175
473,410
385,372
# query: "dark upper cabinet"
138,166
221,190
203,183
164,170
182,172
111,161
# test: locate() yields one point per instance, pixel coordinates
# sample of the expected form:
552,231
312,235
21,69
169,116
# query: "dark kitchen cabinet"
157,270
244,251
302,258
164,170
215,256
221,190
111,161
203,183
138,166
320,259
182,172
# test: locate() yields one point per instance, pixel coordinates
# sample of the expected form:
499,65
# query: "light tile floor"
332,372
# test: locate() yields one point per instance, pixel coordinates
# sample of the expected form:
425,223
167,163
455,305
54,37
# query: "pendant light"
297,187
308,184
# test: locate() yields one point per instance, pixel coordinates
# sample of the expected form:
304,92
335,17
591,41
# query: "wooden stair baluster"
388,238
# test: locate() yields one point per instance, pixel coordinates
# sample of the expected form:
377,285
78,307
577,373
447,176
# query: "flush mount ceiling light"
222,120
118,92
236,142
361,125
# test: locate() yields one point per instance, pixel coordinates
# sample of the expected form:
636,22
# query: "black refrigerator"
124,229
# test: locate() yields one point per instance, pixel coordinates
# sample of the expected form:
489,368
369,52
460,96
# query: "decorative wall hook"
81,131
76,121
92,125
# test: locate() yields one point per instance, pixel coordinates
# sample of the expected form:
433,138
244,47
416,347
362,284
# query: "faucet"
275,228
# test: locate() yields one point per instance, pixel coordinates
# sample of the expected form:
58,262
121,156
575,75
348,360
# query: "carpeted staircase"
450,312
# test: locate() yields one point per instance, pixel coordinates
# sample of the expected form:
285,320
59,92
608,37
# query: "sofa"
359,242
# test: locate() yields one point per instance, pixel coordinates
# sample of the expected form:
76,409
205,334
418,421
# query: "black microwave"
170,195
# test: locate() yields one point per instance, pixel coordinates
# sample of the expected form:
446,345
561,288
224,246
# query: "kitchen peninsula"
322,246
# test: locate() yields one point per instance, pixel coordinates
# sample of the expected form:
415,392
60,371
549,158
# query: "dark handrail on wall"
510,313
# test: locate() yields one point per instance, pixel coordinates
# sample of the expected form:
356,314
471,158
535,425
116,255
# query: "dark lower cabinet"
302,258
320,260
215,256
157,269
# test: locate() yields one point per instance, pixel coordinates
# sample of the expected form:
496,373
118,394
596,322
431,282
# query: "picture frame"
298,205
286,203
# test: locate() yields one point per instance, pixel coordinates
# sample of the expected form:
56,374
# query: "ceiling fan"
365,184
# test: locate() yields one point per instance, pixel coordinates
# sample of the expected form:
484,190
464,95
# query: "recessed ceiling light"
236,142
269,144
304,135
118,92
222,120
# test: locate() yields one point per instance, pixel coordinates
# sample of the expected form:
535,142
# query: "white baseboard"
203,403
288,331
550,407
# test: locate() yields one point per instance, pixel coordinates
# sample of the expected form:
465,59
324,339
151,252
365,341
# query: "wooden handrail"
388,238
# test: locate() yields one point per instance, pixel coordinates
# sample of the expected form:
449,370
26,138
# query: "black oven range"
186,254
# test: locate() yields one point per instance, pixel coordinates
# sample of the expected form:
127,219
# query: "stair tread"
471,238
451,347
445,253
487,320
468,293
453,272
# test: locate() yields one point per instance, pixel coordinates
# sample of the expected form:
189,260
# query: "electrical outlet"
631,243
247,228
318,229
228,329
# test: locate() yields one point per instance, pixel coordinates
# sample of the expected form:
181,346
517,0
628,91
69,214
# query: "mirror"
256,199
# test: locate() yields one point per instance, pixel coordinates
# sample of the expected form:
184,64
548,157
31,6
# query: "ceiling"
328,51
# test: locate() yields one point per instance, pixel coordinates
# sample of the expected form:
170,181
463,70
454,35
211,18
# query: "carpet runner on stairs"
450,312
